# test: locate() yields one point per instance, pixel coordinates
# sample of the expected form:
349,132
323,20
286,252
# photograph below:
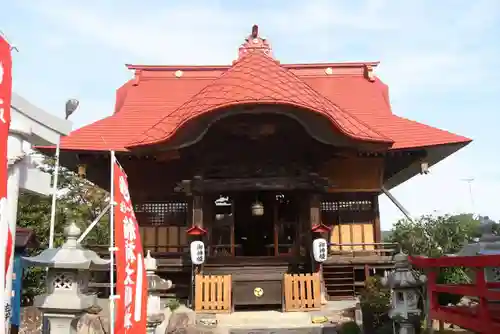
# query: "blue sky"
439,58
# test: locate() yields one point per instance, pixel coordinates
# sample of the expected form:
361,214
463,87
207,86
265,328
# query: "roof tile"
145,105
256,78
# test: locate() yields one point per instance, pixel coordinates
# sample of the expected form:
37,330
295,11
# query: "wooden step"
339,278
348,284
349,297
339,281
332,273
343,291
339,291
338,269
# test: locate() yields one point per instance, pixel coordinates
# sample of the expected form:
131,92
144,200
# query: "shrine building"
257,159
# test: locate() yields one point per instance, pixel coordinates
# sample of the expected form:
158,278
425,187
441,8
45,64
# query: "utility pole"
469,181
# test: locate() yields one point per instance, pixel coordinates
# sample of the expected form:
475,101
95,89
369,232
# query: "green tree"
434,236
78,200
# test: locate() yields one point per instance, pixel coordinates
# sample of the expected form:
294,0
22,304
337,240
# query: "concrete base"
263,319
264,322
267,322
301,330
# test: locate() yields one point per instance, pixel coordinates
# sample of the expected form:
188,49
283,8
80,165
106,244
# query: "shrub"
375,303
173,304
385,328
350,327
451,276
374,296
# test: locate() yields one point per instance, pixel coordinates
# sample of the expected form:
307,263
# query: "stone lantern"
488,244
67,280
156,285
405,285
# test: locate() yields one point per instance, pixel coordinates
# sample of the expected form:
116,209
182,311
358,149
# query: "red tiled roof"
143,106
374,109
257,79
152,106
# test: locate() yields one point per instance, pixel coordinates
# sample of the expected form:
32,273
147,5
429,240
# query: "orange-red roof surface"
258,79
153,105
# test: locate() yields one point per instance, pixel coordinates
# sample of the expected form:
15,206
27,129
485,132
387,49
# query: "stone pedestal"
153,322
62,323
156,285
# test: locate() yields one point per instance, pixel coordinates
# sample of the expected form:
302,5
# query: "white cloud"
427,48
415,40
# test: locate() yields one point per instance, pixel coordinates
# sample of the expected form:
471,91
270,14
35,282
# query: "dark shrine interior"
255,234
272,233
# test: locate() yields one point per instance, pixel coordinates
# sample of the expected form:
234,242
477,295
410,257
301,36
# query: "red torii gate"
481,318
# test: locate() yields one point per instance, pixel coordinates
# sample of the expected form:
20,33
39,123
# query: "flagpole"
112,249
6,238
54,194
71,106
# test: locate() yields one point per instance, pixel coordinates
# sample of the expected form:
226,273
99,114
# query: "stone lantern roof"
404,276
71,255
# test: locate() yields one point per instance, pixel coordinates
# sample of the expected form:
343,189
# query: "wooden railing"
302,292
236,250
484,316
342,249
213,293
212,250
363,249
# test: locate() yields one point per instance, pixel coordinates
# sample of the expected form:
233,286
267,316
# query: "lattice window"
354,205
63,281
328,206
347,211
173,213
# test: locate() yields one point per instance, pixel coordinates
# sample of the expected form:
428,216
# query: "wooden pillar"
315,209
195,217
376,221
207,220
315,219
197,211
301,245
276,228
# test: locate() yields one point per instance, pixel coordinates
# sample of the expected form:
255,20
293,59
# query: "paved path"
275,322
303,330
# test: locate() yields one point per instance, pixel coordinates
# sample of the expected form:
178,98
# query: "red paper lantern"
196,230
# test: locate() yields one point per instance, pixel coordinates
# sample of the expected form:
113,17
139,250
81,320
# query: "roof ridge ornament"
255,43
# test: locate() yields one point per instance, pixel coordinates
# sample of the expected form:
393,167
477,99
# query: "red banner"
5,97
131,283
